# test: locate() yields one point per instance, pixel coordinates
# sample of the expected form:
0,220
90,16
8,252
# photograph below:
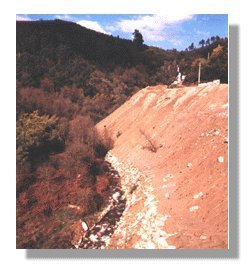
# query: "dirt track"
177,140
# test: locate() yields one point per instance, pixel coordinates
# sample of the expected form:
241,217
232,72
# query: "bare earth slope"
171,152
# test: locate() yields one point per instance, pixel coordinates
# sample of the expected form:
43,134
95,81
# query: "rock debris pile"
145,229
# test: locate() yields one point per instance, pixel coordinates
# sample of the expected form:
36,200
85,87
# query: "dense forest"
68,79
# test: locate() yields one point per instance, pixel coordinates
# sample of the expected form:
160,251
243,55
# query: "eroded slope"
171,151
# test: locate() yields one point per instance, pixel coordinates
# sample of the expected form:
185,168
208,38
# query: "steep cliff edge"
171,152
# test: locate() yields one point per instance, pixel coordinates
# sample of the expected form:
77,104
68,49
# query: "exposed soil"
171,152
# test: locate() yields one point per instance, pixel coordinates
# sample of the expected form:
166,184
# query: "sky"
165,31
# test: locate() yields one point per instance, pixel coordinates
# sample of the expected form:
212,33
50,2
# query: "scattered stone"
116,196
189,165
74,206
167,196
162,243
150,245
84,226
203,237
172,234
220,159
193,208
145,236
197,196
93,238
148,223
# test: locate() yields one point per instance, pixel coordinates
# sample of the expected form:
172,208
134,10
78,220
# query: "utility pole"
199,73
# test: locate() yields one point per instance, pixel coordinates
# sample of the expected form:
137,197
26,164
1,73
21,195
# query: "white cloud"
93,25
65,17
204,34
23,17
153,27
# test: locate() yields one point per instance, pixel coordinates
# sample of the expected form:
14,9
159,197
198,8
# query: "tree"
202,42
213,39
191,47
217,38
138,39
208,42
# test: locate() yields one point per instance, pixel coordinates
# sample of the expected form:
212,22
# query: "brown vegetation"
59,164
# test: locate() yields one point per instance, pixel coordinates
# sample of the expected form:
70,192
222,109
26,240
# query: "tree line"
204,42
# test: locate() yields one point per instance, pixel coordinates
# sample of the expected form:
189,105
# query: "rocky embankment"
144,228
129,187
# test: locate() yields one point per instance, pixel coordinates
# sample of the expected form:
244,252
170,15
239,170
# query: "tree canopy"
138,39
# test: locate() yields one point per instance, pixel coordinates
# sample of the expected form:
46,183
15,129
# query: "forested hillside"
52,55
68,79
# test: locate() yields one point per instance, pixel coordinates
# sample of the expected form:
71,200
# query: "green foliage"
202,42
37,136
138,39
191,47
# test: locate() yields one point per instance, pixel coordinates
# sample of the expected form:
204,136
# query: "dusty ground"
176,143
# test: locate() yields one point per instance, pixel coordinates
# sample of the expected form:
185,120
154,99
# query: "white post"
199,73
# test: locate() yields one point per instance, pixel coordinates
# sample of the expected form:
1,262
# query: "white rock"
166,195
104,227
196,196
115,196
202,237
74,206
162,243
189,165
84,226
220,159
150,245
93,238
194,208
144,236
172,234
